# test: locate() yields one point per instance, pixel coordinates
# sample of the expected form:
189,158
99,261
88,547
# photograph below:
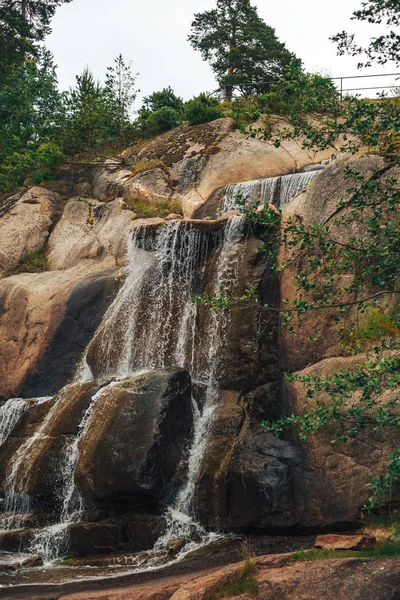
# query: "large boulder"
136,440
341,471
46,321
89,230
247,478
31,464
246,352
25,222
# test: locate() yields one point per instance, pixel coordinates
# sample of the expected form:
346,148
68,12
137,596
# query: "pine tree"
16,41
240,47
120,86
89,115
38,13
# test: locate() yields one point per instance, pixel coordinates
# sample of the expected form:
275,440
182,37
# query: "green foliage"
300,94
202,109
162,120
145,209
49,157
344,264
88,115
239,46
35,262
374,323
160,112
387,550
382,49
243,582
37,13
120,89
16,41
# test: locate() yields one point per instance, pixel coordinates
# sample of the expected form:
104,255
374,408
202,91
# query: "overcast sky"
153,35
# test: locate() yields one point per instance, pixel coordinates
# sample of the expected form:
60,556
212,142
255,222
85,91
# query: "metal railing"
342,90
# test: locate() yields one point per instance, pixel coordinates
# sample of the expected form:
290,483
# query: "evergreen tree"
89,115
30,110
16,41
161,111
38,13
120,86
240,47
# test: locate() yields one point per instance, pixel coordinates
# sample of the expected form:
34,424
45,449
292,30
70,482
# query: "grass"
145,209
243,582
388,550
35,262
146,165
375,323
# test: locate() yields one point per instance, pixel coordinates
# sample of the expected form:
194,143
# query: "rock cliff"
138,398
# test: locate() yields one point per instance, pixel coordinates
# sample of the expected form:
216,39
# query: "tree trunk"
24,8
229,88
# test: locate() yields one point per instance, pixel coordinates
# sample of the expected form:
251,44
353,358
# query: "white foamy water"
279,191
10,414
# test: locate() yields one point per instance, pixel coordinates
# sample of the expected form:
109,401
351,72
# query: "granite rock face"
25,222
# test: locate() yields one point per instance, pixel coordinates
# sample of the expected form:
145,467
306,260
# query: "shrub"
202,109
160,112
302,93
373,323
48,160
162,120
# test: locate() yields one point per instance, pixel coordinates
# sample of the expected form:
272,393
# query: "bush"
303,93
49,157
162,120
202,109
160,112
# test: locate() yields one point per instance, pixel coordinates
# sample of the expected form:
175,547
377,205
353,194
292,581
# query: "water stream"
279,191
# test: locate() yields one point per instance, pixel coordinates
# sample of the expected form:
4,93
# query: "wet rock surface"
140,430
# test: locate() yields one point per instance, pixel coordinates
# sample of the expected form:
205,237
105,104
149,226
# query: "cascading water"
181,521
10,414
152,322
278,191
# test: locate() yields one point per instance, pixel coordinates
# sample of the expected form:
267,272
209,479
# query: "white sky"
153,35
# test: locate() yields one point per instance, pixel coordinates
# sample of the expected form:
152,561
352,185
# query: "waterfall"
152,323
181,519
278,191
10,414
